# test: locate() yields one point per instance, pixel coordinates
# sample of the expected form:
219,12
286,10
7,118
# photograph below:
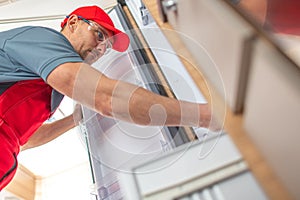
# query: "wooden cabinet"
272,111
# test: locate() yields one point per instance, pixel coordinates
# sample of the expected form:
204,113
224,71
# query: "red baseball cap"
96,14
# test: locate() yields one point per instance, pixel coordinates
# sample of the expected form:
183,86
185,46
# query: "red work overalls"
23,108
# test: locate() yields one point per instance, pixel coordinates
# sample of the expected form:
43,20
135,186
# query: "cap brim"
121,39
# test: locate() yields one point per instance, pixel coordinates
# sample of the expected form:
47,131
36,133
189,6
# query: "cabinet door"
220,41
272,111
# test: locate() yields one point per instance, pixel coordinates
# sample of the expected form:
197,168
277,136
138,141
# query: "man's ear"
72,22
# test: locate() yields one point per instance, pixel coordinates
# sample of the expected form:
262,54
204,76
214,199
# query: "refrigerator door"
188,168
115,146
241,186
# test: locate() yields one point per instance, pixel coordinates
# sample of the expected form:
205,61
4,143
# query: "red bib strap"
25,106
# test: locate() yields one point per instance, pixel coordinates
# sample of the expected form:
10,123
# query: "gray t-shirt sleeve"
39,50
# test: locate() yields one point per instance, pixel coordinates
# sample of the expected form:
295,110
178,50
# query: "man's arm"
125,101
48,132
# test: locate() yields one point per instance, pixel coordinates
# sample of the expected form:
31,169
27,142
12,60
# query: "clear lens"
101,36
108,46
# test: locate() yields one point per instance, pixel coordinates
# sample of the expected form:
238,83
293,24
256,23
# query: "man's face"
91,40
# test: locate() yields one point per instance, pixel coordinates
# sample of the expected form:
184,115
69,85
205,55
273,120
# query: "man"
39,65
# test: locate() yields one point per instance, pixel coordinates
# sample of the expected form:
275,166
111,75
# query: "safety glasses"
102,37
